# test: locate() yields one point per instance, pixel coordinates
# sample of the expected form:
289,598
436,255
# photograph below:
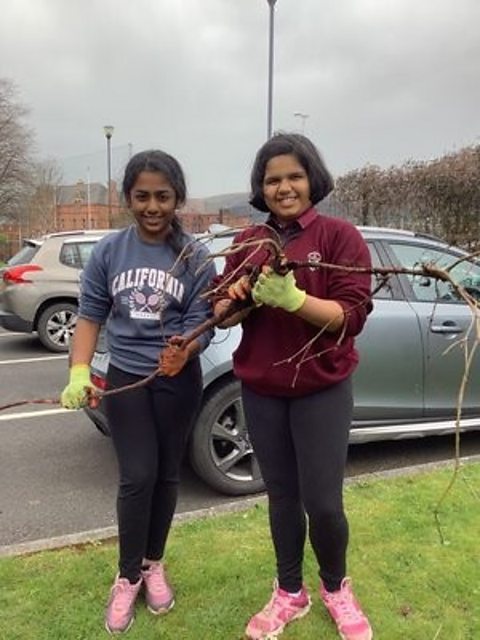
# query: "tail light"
98,381
19,273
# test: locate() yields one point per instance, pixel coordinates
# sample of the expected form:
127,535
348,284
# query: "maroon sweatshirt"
271,335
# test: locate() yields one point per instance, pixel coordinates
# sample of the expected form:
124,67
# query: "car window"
85,249
466,273
69,256
25,255
76,254
385,292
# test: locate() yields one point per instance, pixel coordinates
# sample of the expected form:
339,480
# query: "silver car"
411,365
39,286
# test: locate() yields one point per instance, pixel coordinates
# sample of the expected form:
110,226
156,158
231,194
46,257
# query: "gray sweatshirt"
132,286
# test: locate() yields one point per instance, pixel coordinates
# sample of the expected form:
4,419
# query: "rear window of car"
25,255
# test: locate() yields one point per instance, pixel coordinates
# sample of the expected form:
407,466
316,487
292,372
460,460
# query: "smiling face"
152,201
286,187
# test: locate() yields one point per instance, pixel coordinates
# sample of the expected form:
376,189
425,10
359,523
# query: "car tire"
220,451
56,325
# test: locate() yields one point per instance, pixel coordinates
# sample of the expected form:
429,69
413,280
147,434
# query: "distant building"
85,206
195,222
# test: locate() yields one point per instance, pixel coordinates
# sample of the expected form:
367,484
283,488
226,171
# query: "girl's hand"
275,290
173,358
75,395
240,289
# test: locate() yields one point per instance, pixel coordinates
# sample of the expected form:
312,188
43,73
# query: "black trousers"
301,445
150,427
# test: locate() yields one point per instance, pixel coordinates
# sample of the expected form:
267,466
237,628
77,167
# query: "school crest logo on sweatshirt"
314,258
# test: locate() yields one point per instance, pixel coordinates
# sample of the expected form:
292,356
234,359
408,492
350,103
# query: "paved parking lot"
58,474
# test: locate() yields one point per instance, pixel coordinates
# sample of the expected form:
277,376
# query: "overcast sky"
380,81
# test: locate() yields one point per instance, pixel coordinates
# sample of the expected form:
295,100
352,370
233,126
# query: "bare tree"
440,196
42,205
16,140
360,192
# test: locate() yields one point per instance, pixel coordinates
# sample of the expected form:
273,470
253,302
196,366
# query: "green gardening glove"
74,396
275,290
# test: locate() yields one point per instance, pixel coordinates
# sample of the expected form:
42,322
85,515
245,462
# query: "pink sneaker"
158,592
282,608
121,606
352,624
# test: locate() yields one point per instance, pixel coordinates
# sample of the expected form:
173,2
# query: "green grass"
412,586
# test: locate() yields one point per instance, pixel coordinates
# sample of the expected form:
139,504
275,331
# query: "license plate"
100,361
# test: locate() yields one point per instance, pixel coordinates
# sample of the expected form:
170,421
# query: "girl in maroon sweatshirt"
295,362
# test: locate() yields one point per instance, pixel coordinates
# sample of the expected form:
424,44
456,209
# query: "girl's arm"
84,341
322,313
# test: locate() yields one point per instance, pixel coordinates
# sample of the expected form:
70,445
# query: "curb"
110,533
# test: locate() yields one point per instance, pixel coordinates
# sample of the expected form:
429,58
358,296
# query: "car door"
446,326
388,383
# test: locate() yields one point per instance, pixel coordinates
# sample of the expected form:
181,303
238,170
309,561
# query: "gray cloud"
380,80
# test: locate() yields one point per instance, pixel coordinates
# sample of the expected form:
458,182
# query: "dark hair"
157,161
321,182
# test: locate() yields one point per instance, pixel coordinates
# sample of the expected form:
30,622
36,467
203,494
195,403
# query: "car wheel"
220,449
56,325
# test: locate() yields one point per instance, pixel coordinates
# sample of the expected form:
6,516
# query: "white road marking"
39,359
33,414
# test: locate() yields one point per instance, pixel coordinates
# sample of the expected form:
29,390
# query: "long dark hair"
321,182
154,160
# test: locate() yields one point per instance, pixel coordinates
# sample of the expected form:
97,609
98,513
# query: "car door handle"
447,327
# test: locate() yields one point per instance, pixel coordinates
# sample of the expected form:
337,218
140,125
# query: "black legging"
301,445
150,427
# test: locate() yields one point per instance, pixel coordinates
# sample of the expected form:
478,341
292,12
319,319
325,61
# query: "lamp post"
108,130
303,116
270,68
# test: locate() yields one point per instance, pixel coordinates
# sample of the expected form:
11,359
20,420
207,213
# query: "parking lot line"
39,359
32,414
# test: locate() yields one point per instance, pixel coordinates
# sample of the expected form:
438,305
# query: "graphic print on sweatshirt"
145,291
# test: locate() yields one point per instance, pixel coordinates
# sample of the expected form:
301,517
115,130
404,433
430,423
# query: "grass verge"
412,586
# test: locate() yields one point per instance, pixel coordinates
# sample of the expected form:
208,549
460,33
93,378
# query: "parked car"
411,365
39,286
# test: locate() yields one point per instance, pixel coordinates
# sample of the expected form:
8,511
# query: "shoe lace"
156,579
277,602
344,605
123,592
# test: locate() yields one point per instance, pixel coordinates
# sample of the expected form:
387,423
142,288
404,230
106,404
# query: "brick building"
197,222
85,206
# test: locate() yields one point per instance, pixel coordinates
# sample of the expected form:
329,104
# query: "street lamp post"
270,68
108,130
303,117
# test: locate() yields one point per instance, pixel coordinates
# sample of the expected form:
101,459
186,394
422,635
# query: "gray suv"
39,286
411,364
